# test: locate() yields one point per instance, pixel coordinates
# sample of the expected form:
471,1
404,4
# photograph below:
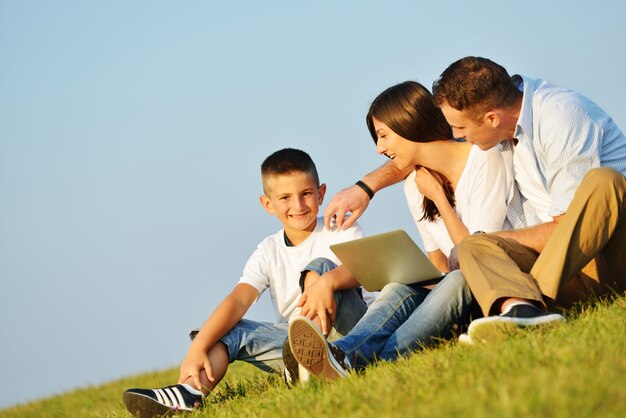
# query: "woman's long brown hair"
408,110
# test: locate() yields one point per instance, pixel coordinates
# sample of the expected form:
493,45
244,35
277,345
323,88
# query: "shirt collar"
524,126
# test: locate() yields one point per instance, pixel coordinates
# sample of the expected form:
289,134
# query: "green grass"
577,369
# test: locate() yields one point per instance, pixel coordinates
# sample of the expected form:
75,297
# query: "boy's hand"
318,300
194,363
352,199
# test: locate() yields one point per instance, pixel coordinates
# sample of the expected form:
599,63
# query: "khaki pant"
584,256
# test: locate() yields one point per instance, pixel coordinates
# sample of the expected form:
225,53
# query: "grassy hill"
575,370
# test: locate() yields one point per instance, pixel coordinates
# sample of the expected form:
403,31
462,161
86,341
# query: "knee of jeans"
396,289
454,278
454,282
321,265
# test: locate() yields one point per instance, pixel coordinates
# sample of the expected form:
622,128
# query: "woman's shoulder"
491,156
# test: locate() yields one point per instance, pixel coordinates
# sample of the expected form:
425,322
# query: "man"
569,161
568,158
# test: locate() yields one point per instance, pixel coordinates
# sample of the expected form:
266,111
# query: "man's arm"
534,237
568,143
226,315
355,200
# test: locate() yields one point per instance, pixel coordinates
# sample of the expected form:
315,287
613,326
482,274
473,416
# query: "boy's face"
294,198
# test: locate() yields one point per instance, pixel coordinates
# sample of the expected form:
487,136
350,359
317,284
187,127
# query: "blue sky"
131,135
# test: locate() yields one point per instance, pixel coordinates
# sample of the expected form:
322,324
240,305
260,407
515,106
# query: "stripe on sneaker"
171,396
159,394
179,396
165,396
161,401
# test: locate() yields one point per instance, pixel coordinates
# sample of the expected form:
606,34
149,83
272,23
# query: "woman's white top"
480,200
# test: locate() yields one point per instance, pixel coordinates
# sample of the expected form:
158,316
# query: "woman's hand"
429,184
350,200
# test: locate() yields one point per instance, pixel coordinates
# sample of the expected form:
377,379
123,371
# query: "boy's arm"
318,298
226,315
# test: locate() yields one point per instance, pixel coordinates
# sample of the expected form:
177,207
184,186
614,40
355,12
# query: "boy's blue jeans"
261,343
404,318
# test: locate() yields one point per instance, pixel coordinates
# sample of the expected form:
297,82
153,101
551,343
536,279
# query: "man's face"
483,132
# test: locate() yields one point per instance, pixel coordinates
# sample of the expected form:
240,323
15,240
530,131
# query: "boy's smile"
294,199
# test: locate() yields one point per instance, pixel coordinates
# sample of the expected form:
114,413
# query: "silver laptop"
391,257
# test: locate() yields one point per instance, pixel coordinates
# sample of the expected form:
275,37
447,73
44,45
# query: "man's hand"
453,259
318,300
194,363
352,199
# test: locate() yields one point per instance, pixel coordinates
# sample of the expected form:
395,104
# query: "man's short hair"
475,84
289,160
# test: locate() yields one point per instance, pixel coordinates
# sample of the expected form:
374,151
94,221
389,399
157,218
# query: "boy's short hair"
288,160
475,84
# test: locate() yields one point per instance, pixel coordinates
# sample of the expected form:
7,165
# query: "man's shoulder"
548,97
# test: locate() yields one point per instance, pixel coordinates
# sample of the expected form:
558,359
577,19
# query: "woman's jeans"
406,317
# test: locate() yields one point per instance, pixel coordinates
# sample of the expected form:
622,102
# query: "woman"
454,189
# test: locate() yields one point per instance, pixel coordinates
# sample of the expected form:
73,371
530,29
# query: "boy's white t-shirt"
276,266
480,200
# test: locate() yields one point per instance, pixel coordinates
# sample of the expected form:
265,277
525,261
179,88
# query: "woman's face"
402,151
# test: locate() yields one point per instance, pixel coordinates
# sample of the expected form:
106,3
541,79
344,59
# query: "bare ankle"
505,303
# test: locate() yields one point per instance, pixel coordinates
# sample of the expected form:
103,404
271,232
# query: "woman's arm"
439,259
353,199
433,190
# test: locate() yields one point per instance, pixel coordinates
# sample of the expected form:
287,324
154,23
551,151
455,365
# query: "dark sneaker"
293,372
311,350
518,317
161,402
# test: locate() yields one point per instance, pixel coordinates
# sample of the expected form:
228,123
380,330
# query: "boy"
286,263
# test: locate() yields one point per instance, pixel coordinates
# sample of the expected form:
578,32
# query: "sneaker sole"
308,346
496,328
142,406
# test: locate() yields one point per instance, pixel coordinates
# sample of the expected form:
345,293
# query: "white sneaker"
465,340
